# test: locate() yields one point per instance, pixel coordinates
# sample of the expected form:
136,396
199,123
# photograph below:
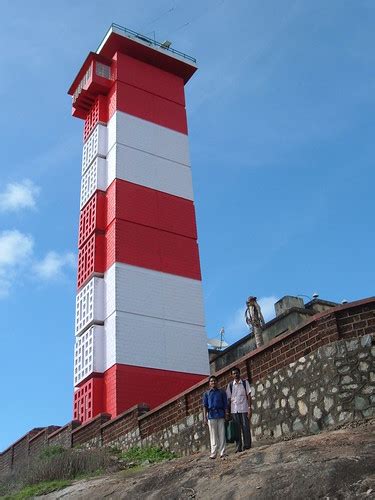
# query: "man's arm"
228,394
205,414
205,408
226,405
249,401
249,398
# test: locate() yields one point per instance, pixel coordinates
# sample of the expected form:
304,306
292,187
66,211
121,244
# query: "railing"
82,83
134,34
100,70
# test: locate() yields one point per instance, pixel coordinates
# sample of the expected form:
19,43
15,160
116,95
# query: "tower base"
123,386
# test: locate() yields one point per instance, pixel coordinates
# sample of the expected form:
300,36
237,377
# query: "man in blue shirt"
215,408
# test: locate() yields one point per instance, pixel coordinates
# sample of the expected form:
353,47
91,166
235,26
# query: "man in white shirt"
239,396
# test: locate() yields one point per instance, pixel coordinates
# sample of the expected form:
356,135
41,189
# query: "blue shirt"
216,402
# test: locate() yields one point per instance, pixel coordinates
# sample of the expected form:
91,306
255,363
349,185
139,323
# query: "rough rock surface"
332,465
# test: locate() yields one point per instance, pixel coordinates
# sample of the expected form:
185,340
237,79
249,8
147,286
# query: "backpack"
230,385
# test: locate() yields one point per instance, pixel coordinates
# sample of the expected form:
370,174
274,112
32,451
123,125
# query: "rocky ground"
332,465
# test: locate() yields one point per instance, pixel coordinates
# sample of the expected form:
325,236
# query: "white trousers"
217,435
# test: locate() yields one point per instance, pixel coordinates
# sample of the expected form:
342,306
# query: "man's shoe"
212,456
224,456
238,450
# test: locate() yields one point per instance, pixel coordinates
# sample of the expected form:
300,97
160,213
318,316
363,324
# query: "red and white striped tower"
140,334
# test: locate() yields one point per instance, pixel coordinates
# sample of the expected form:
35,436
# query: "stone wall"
40,441
186,436
6,461
63,436
331,386
17,454
123,430
89,434
342,386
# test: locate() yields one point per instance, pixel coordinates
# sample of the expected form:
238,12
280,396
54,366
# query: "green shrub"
52,451
38,489
151,454
115,450
8,483
58,465
67,464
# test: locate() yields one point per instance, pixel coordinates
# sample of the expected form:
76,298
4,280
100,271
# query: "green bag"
231,432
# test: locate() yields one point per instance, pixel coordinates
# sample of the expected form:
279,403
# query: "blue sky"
281,124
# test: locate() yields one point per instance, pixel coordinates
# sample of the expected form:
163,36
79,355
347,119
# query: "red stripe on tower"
165,384
140,334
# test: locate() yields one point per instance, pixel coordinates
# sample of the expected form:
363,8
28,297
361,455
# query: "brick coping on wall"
91,421
138,407
73,423
303,310
255,352
37,430
283,336
245,338
37,435
224,371
56,428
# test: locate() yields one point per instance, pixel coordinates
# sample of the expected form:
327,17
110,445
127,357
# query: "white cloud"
15,250
53,265
19,195
236,327
267,306
17,253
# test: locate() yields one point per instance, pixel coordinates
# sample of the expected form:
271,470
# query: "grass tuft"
149,454
51,451
38,489
56,465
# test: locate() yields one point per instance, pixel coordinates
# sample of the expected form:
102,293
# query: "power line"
199,16
159,17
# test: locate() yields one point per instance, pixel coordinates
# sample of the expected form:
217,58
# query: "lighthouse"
139,320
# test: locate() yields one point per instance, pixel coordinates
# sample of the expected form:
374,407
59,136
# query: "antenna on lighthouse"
220,343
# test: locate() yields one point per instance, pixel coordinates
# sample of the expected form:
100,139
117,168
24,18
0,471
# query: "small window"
103,70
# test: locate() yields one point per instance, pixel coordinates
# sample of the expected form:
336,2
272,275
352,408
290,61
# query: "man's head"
235,372
212,382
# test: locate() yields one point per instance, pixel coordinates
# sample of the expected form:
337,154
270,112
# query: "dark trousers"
243,431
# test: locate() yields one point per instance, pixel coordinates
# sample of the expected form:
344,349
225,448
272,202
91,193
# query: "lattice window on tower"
88,399
91,258
103,70
92,217
89,353
93,179
90,305
98,113
96,145
91,120
83,402
82,83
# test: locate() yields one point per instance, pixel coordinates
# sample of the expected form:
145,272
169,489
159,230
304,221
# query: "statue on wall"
254,319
